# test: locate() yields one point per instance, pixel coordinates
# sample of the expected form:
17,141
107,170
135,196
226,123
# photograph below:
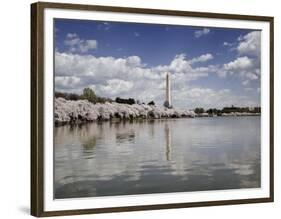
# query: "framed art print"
142,109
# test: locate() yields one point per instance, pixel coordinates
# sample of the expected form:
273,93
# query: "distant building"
168,102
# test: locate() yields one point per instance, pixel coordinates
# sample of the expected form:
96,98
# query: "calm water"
100,159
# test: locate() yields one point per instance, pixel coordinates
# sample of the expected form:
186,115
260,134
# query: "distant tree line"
129,101
68,96
241,109
231,109
88,94
199,110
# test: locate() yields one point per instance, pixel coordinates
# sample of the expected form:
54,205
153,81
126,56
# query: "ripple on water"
159,156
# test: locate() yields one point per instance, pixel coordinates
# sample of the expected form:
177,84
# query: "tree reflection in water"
140,157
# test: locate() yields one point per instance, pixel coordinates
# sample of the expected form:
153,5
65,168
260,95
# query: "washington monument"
168,102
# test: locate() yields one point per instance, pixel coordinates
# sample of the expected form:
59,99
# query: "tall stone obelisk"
167,102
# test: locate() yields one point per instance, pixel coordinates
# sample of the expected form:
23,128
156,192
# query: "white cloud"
247,65
67,82
202,58
202,32
250,44
258,71
221,72
244,67
136,34
179,63
88,45
72,41
71,35
251,76
240,38
75,44
227,44
130,77
180,67
104,26
116,86
248,89
241,63
68,64
126,77
134,61
245,83
207,98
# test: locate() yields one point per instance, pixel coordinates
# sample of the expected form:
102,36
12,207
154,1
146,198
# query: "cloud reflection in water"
100,159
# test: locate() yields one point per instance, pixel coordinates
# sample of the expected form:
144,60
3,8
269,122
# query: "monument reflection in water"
157,156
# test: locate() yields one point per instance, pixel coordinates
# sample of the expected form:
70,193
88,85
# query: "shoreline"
82,111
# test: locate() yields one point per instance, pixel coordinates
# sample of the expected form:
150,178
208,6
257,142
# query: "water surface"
157,156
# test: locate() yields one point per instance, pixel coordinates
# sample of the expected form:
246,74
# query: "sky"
209,67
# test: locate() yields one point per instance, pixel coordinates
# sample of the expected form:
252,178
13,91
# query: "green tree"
129,101
73,96
151,103
89,95
199,110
